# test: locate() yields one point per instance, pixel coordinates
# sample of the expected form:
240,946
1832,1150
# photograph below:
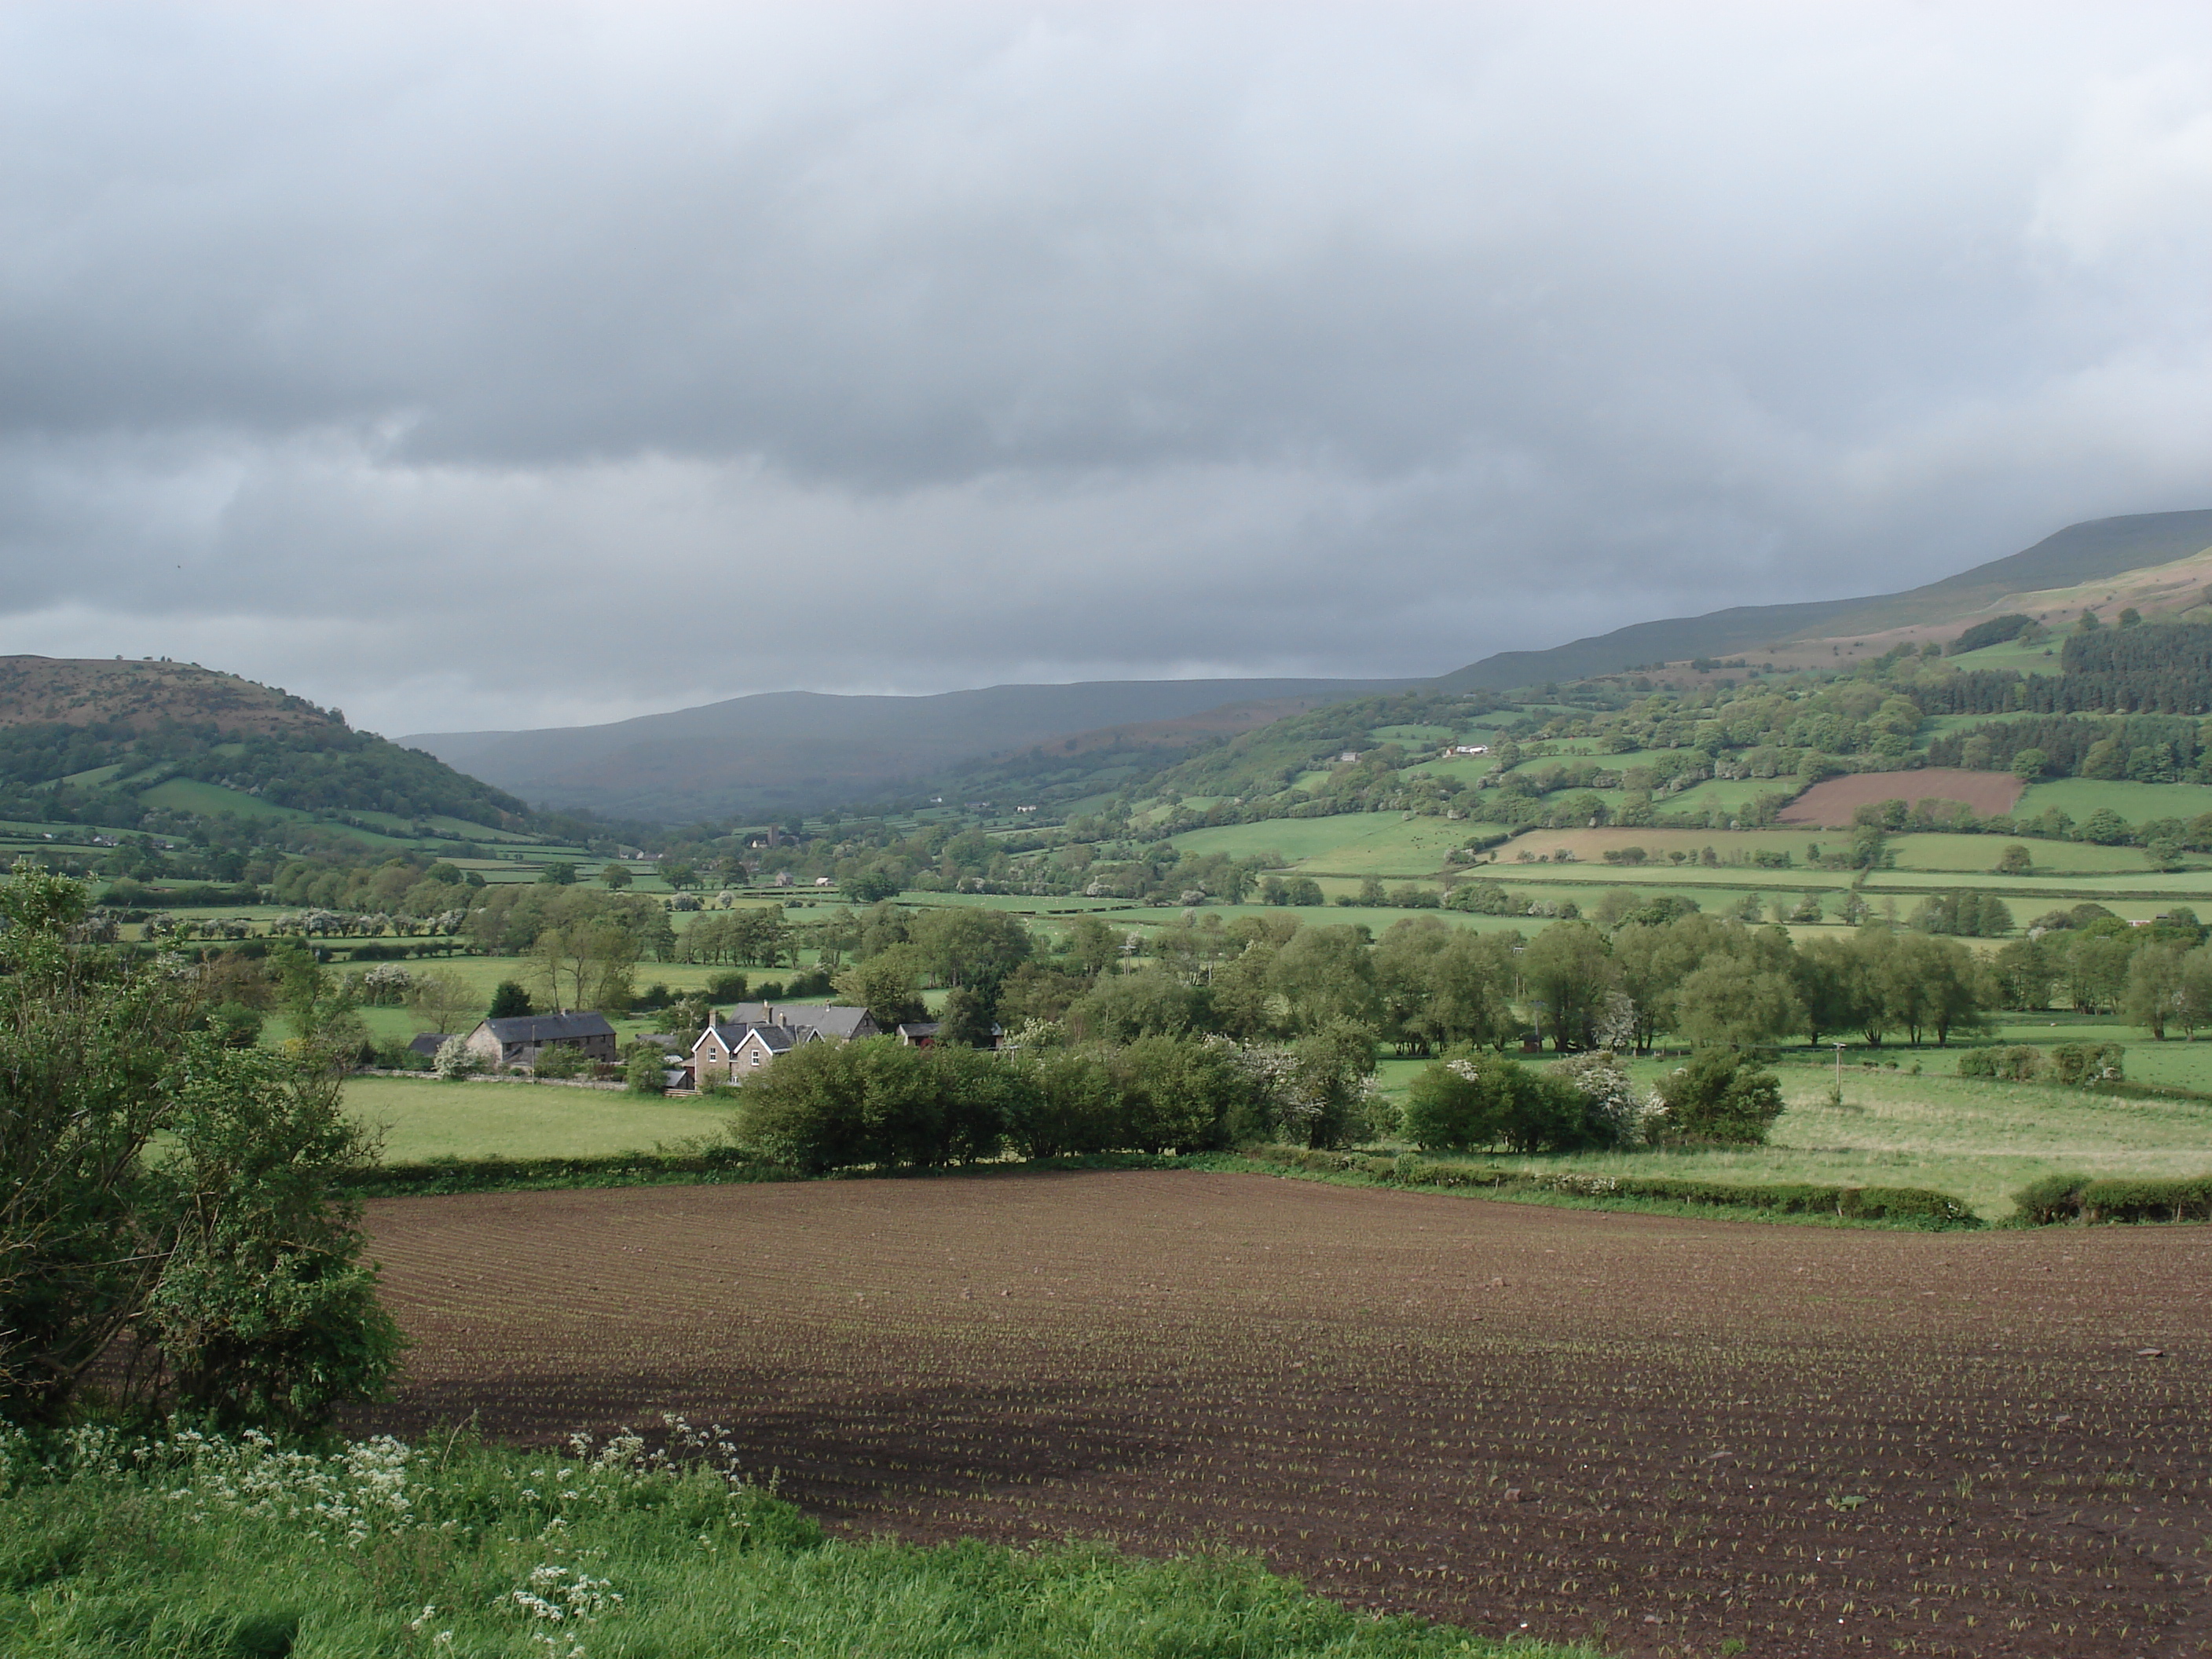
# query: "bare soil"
1661,1435
1829,804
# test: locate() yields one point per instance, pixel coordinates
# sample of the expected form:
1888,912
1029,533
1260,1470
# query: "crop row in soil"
1660,1435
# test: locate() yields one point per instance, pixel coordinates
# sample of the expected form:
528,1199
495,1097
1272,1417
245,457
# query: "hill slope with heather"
103,742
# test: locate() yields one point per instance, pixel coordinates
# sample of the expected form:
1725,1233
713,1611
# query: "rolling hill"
781,752
107,741
786,751
2095,551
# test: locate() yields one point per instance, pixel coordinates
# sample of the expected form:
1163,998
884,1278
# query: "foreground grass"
205,1549
426,1119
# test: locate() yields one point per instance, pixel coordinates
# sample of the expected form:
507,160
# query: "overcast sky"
478,366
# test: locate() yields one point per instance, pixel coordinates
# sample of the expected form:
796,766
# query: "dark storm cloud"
476,365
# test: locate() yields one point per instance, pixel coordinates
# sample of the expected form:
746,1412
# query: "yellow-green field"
427,1119
2020,658
1349,844
1979,1141
2138,803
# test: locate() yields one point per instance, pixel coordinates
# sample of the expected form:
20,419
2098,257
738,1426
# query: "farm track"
1657,1434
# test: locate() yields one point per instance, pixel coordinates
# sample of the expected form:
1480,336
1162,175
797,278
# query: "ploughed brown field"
1662,1435
1829,804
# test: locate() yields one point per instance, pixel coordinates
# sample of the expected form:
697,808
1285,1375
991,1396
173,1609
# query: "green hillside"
104,742
2080,553
168,776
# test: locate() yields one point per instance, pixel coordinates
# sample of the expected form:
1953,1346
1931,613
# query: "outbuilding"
521,1040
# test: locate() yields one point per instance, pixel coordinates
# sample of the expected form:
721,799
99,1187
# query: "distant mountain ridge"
782,751
2083,552
792,751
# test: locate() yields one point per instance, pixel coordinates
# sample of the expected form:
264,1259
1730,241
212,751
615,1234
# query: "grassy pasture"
92,776
1981,852
428,1119
2137,803
2020,658
1979,1141
1376,918
1410,735
1724,794
191,795
1467,769
1590,846
1347,843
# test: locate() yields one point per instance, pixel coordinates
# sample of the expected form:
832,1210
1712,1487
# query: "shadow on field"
833,1456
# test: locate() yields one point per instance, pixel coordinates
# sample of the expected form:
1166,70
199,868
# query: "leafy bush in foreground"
198,1545
172,1237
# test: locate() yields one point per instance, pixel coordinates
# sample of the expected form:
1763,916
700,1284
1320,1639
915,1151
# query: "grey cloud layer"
506,365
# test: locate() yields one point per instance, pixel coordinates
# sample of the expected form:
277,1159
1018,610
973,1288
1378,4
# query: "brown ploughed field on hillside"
1663,1434
1829,804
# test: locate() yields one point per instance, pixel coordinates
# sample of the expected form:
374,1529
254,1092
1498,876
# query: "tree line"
1664,974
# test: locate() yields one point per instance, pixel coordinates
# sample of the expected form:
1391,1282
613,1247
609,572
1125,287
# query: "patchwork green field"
1348,843
191,795
1981,852
2020,658
2138,803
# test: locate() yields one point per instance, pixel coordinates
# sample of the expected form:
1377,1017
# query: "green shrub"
2055,1198
644,1071
1719,1099
1483,1099
2021,1063
2060,1199
560,1060
2147,1201
1914,1206
2079,1063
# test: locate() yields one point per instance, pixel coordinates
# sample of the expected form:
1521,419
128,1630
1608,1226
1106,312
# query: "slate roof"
549,1027
430,1042
731,1031
843,1022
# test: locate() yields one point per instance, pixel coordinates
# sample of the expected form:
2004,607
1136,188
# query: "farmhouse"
727,1049
518,1041
755,1034
719,1043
